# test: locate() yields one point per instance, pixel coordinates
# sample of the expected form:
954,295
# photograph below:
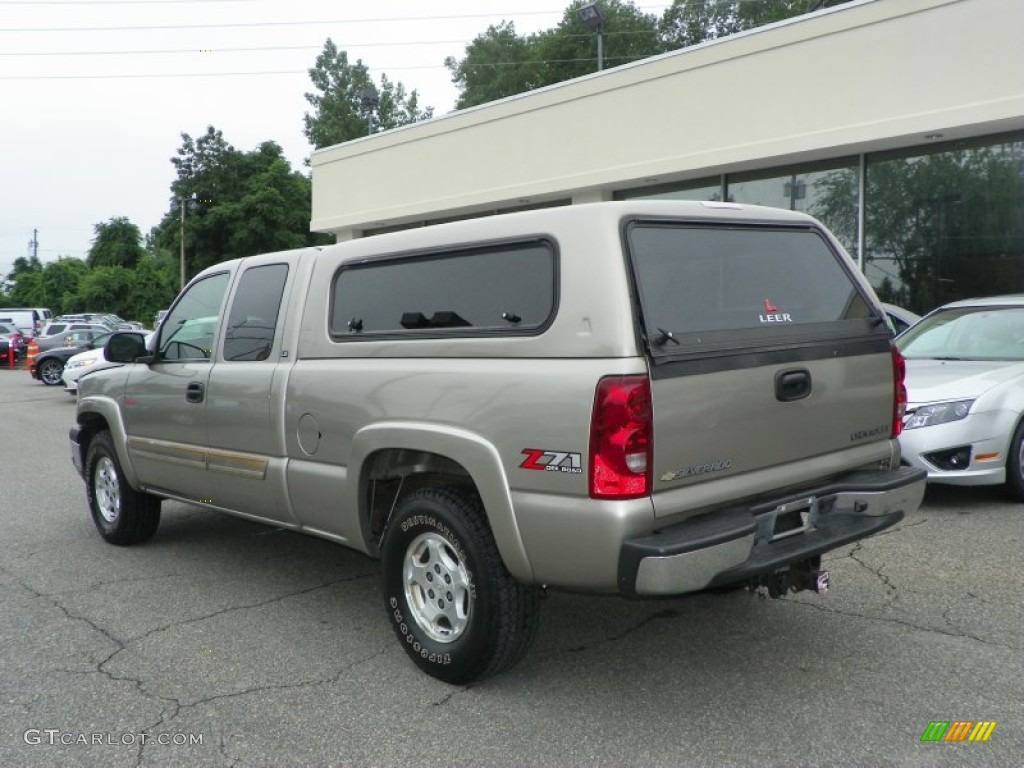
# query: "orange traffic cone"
31,353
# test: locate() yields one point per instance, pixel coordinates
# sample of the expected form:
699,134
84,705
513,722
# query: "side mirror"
125,347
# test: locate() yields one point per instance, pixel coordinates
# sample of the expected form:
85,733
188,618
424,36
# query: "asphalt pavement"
226,643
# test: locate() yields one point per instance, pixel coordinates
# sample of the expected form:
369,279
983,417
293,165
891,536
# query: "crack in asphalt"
171,706
246,606
903,623
891,592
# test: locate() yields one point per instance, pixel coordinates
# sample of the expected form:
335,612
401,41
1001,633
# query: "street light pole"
181,204
593,18
369,100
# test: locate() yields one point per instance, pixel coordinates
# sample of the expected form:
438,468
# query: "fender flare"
474,453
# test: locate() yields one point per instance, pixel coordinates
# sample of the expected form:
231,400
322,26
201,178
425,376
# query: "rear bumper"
734,545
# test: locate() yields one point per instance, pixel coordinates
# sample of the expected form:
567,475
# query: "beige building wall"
865,76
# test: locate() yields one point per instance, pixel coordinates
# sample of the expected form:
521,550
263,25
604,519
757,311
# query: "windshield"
967,333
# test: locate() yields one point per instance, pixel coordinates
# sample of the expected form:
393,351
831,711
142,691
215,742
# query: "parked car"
899,318
74,333
85,361
965,393
11,336
28,320
48,367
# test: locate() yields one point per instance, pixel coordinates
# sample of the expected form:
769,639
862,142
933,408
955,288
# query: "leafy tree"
25,281
570,49
500,63
60,280
118,243
236,203
339,112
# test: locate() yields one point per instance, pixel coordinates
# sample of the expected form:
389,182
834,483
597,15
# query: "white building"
815,113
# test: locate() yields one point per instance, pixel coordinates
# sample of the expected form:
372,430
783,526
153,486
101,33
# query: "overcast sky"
94,94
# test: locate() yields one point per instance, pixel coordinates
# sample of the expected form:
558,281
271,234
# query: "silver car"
965,393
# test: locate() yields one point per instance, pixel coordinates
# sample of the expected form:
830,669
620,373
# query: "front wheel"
122,515
1015,464
457,611
50,371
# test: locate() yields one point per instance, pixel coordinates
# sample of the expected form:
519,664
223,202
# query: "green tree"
25,282
339,112
570,49
500,63
236,203
60,280
118,243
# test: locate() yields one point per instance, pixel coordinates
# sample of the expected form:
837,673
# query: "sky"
95,94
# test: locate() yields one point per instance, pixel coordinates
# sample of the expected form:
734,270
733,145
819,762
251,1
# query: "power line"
239,24
263,48
138,75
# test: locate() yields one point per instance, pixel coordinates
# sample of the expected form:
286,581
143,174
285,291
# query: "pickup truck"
642,398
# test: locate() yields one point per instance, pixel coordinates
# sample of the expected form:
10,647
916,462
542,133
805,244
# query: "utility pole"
34,244
181,204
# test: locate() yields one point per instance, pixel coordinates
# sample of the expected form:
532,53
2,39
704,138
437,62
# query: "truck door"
165,401
245,455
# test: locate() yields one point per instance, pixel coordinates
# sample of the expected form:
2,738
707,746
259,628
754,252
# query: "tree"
340,113
25,282
570,49
118,243
500,63
236,203
497,64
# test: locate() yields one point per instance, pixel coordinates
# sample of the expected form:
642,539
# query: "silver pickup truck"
644,398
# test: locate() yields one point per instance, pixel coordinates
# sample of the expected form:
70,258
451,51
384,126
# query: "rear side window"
697,280
501,288
254,310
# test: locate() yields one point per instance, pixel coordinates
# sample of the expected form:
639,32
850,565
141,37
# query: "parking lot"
225,643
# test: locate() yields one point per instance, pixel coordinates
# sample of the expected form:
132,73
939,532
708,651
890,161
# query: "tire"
50,371
1015,465
485,620
123,516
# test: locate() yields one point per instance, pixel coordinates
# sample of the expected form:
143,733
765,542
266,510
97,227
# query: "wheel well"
91,424
391,475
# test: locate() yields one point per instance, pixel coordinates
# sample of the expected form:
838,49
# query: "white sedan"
965,393
78,364
84,362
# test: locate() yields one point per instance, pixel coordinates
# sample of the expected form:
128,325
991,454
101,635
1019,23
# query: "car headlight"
75,364
939,413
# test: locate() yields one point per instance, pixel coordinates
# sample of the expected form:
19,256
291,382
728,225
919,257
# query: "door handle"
792,385
195,392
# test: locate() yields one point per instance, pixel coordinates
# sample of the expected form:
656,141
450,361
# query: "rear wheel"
122,515
50,371
456,610
1015,464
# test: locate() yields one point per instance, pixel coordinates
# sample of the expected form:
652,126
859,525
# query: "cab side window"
252,321
189,332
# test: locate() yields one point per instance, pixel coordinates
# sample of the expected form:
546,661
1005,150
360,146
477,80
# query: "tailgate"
766,351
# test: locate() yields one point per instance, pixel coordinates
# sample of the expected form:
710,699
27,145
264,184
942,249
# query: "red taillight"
899,399
621,438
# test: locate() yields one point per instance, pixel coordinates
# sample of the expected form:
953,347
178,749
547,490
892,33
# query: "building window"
947,224
826,191
699,189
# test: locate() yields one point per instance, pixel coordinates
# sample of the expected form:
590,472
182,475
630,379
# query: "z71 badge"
552,461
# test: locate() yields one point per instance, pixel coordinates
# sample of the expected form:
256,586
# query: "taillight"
899,399
621,438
